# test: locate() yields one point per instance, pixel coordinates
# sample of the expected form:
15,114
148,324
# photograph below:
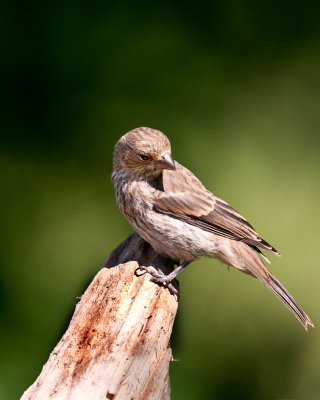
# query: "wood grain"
117,343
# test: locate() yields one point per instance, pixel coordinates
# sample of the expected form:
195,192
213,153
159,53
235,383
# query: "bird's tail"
282,293
251,264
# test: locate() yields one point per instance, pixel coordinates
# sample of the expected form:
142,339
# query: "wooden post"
117,344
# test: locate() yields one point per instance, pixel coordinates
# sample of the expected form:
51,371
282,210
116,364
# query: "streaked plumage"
172,210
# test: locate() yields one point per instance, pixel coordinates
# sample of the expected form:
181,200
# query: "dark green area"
236,87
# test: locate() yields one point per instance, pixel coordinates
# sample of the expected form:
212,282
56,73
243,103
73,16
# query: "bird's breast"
167,235
133,198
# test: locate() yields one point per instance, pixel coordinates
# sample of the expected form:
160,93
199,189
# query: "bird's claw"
142,269
160,278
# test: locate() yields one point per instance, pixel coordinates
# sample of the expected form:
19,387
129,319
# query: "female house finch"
172,210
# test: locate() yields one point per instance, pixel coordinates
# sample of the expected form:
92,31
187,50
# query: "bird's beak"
166,162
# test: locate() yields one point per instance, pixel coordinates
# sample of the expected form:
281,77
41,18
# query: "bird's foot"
159,277
143,269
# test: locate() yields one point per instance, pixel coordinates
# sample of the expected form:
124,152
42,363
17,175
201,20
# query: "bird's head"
143,153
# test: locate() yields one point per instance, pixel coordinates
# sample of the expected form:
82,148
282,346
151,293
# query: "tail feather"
281,292
246,259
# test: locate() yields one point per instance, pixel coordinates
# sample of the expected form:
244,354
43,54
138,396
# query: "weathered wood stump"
117,343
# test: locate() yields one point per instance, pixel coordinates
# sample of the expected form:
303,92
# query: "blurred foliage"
236,87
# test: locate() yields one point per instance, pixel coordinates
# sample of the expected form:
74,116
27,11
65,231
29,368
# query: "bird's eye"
144,157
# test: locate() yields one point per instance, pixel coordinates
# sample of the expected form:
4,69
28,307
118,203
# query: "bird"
169,207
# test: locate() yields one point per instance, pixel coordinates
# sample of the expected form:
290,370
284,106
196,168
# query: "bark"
117,343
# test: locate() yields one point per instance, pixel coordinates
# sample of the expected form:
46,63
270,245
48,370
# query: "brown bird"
172,210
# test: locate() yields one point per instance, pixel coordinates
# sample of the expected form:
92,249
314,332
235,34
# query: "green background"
236,87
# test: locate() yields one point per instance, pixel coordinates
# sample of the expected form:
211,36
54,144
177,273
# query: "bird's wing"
185,198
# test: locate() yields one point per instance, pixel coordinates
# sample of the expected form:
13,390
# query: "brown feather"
203,209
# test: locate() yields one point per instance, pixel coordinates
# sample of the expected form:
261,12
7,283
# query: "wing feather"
185,198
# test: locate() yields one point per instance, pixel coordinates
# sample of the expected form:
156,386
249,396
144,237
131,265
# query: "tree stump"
117,343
